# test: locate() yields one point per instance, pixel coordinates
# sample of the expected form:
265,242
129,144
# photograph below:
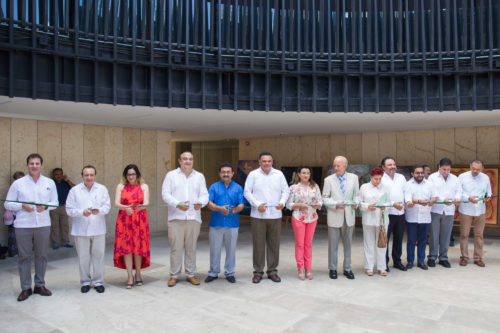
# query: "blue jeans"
417,232
217,237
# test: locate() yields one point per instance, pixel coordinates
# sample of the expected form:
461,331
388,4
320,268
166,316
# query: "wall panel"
23,142
132,146
405,148
370,148
72,150
487,144
465,145
424,148
49,145
354,148
93,148
444,143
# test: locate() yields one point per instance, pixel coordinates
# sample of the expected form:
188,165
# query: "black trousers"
396,228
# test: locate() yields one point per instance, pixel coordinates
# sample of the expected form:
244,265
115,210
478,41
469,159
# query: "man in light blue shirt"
226,202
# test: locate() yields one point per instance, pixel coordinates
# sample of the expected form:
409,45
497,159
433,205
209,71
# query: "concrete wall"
71,146
408,147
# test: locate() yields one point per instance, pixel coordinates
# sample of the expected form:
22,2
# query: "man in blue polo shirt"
226,202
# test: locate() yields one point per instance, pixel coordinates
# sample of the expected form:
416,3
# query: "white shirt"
178,188
449,188
271,189
473,186
396,189
369,194
422,191
80,199
43,191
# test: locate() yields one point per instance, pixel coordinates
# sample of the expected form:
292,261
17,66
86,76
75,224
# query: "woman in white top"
304,200
369,197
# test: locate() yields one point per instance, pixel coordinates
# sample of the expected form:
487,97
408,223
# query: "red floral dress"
132,231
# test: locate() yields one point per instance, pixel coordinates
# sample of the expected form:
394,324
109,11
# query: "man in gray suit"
340,192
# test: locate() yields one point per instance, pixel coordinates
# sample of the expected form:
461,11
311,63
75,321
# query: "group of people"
31,197
421,206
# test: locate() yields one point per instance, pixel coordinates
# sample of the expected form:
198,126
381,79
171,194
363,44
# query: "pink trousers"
304,233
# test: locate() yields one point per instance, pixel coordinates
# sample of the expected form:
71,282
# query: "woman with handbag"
372,196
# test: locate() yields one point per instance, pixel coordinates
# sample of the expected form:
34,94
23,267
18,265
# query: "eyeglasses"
131,174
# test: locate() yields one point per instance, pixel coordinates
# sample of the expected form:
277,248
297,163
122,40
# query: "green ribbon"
31,203
459,201
46,205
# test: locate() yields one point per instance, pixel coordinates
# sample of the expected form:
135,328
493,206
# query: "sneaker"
68,245
55,247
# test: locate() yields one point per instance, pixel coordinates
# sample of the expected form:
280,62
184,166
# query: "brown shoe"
172,282
256,278
194,280
463,262
480,263
24,295
275,278
42,291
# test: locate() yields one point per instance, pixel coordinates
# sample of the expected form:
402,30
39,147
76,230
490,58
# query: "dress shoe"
193,280
172,282
99,289
24,295
231,279
349,275
444,263
274,278
42,291
409,265
480,263
332,274
387,269
431,263
256,278
211,278
85,289
399,266
423,266
463,262
68,245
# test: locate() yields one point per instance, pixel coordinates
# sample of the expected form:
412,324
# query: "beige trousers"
183,236
478,222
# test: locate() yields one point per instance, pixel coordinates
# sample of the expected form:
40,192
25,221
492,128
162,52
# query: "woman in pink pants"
304,200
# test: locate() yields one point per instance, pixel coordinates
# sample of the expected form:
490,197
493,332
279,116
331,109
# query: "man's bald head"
339,165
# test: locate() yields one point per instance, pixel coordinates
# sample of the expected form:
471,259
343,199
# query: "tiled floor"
460,299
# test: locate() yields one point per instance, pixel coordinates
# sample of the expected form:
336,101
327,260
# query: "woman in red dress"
132,228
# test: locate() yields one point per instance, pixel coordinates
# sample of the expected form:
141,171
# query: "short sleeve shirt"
221,196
